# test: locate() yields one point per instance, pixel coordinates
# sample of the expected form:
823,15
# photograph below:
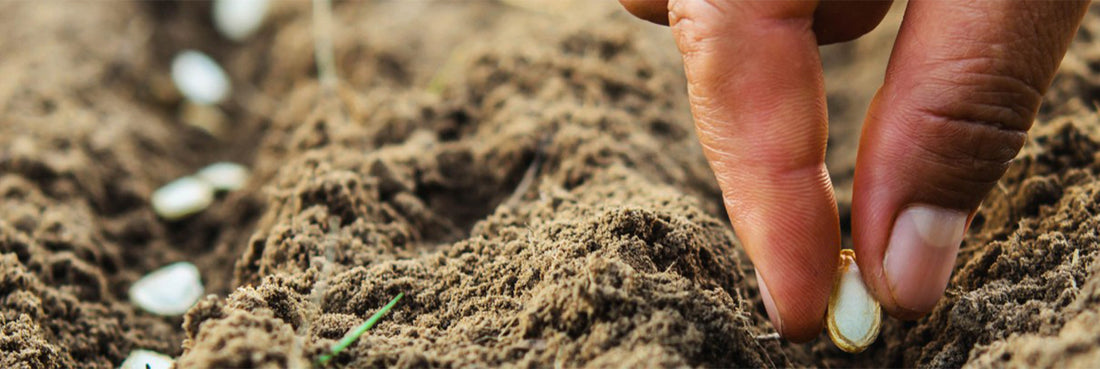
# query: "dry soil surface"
527,175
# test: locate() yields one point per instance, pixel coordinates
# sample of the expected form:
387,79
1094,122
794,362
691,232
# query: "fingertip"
903,314
805,332
655,11
795,252
845,20
801,330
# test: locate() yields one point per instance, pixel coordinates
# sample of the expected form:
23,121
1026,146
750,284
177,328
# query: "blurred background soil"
526,173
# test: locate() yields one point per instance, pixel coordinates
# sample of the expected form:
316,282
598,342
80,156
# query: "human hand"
963,85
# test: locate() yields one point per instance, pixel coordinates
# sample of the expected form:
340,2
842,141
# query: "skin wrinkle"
1006,113
966,138
716,133
683,16
967,74
1016,95
1025,39
757,188
952,187
688,39
961,139
767,177
722,80
718,137
956,138
701,57
1050,33
916,111
998,152
770,155
970,170
726,77
787,190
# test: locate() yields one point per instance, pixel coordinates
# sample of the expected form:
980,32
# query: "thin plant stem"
354,334
322,44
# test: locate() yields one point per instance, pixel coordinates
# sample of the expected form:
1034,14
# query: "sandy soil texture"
526,175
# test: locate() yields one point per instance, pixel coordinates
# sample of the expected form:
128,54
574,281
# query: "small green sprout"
354,334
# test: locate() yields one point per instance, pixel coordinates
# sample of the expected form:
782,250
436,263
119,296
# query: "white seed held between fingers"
224,176
169,291
854,315
199,78
238,19
182,197
142,359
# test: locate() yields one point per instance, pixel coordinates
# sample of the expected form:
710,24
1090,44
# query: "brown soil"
527,176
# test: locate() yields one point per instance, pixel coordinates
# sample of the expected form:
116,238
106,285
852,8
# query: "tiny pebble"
182,197
238,19
224,176
168,291
146,359
199,78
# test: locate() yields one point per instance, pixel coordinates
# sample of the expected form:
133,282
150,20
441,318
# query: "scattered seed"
854,315
224,176
182,197
238,19
168,291
199,78
146,359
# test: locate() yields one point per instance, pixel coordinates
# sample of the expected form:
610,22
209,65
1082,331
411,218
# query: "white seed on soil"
199,78
169,291
854,315
224,176
182,197
238,19
142,359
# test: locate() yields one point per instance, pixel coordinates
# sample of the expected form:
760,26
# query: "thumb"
963,86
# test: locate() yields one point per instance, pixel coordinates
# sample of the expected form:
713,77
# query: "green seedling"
354,334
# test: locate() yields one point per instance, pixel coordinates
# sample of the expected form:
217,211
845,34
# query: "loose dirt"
527,175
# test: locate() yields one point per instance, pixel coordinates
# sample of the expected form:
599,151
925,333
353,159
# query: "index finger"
757,95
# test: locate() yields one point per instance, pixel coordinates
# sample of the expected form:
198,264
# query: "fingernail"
921,255
769,305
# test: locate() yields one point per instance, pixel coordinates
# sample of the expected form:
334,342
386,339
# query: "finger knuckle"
984,89
975,122
971,152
